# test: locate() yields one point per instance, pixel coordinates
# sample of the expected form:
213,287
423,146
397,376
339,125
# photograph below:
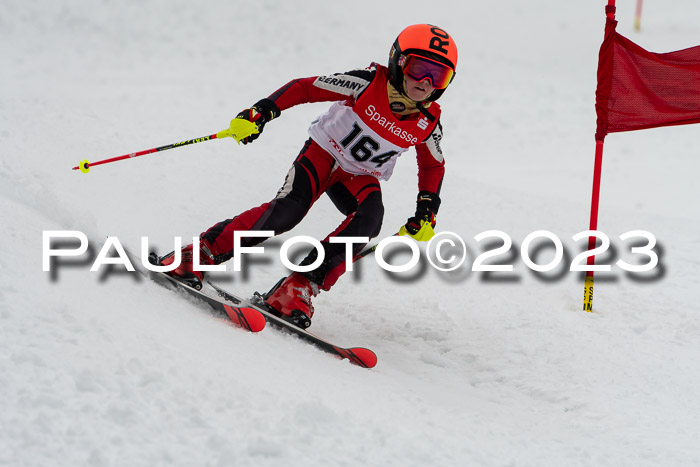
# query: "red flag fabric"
639,89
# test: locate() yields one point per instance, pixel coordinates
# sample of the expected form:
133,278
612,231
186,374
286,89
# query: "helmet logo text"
436,42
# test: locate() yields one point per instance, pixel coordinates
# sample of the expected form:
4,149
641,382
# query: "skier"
378,113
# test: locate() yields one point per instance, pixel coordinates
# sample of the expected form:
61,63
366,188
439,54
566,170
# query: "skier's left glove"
262,112
420,226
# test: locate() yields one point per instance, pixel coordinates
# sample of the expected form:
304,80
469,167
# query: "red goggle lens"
420,68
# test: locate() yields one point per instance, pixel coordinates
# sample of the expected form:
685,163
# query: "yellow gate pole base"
588,294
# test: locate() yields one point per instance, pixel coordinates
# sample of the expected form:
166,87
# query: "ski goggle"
420,68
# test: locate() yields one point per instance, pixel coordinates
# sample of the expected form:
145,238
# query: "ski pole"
364,253
429,233
238,130
369,250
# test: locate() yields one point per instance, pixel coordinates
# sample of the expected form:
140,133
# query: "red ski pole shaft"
87,165
239,129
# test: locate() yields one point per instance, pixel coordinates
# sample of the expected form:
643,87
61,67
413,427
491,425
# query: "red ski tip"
360,356
247,318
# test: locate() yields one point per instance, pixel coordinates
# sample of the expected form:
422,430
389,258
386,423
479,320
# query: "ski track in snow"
108,369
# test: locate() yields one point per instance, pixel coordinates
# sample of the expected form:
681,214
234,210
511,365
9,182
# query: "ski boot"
291,299
185,272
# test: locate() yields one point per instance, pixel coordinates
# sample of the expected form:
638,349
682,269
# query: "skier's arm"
431,163
431,170
337,87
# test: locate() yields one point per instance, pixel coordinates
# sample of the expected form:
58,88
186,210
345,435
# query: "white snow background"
108,369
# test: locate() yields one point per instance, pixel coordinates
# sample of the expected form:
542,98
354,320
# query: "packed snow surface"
108,369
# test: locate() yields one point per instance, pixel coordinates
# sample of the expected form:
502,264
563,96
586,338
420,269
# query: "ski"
253,315
359,356
238,312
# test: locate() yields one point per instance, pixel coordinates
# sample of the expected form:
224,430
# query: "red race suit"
352,146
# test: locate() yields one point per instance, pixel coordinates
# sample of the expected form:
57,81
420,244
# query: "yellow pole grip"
239,130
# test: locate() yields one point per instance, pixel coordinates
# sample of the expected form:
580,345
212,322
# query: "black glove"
262,112
427,206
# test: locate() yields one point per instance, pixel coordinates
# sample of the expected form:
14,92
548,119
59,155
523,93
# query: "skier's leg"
304,183
359,197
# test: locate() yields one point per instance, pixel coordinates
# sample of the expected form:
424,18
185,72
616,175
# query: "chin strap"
425,112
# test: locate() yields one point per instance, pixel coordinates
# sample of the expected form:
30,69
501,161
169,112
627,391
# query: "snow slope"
107,369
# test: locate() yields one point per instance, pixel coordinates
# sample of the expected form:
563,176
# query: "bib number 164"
364,147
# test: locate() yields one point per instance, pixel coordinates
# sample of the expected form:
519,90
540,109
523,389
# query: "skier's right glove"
262,112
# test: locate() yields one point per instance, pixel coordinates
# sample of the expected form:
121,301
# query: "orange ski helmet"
427,42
